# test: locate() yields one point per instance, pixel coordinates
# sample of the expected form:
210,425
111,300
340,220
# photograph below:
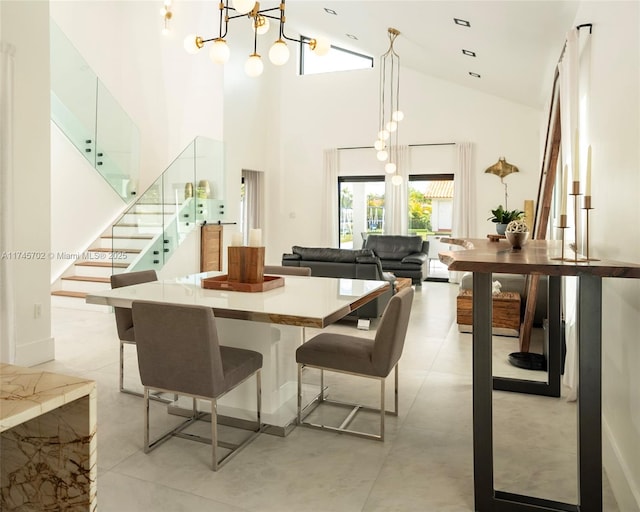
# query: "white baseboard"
35,352
624,489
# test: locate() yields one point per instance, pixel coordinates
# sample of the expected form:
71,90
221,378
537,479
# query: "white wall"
340,110
31,179
614,134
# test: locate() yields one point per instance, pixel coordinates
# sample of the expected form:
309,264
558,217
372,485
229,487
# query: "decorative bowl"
517,234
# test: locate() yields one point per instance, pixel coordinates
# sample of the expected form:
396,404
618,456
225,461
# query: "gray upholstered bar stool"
358,356
124,320
179,352
287,271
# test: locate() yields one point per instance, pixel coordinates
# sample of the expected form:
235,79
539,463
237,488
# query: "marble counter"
47,441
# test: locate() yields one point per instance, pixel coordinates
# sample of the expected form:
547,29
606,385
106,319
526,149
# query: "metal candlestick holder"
586,206
575,192
562,226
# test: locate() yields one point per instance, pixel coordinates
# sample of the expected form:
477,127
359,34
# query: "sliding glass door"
362,211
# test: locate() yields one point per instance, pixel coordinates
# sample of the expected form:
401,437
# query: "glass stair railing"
189,193
90,117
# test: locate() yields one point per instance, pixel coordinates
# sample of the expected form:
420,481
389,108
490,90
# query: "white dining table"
271,322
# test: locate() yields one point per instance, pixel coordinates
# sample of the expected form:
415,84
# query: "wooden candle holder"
246,264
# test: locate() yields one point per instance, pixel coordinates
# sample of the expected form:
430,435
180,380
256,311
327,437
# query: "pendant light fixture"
386,145
279,52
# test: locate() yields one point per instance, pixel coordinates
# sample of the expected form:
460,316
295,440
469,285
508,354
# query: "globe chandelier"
386,144
259,19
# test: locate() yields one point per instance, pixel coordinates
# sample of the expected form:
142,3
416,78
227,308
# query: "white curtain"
464,203
254,200
574,85
329,224
396,210
7,313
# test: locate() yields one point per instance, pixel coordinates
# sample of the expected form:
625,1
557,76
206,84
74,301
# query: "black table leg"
589,308
590,393
482,392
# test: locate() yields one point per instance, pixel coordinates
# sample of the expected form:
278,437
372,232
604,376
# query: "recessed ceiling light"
330,11
461,22
475,75
351,36
469,53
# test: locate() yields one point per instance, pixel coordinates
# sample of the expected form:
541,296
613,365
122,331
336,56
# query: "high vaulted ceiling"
517,43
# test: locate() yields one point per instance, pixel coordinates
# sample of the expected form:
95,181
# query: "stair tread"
89,279
131,225
131,237
101,264
108,249
67,293
165,212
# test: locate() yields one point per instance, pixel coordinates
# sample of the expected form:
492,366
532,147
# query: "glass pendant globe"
322,46
382,155
279,53
396,180
379,145
219,52
391,126
243,6
190,44
390,167
398,115
260,25
383,134
253,67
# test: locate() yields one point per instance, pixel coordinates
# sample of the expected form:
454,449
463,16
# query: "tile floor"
424,465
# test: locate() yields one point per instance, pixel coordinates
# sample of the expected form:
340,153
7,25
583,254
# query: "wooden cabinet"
211,248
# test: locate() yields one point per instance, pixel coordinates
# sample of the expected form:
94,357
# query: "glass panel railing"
89,116
117,145
73,94
189,193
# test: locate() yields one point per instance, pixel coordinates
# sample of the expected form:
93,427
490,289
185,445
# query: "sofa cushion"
418,258
331,254
394,247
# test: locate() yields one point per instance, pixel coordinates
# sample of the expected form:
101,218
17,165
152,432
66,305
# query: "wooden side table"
505,313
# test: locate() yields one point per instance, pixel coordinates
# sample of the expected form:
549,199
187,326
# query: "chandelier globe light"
254,66
390,114
243,6
219,52
279,52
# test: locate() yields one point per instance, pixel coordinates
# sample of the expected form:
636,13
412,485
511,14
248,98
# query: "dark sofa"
347,263
404,256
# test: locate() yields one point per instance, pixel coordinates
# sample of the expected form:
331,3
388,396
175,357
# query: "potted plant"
502,217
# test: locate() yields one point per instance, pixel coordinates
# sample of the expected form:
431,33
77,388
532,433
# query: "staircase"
189,192
115,251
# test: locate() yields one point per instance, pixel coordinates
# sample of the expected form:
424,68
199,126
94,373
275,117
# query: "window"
338,59
361,203
430,204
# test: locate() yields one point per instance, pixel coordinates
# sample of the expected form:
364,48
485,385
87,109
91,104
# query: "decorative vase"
501,228
517,233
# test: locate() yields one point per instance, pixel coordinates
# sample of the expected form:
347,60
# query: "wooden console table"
537,257
48,439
